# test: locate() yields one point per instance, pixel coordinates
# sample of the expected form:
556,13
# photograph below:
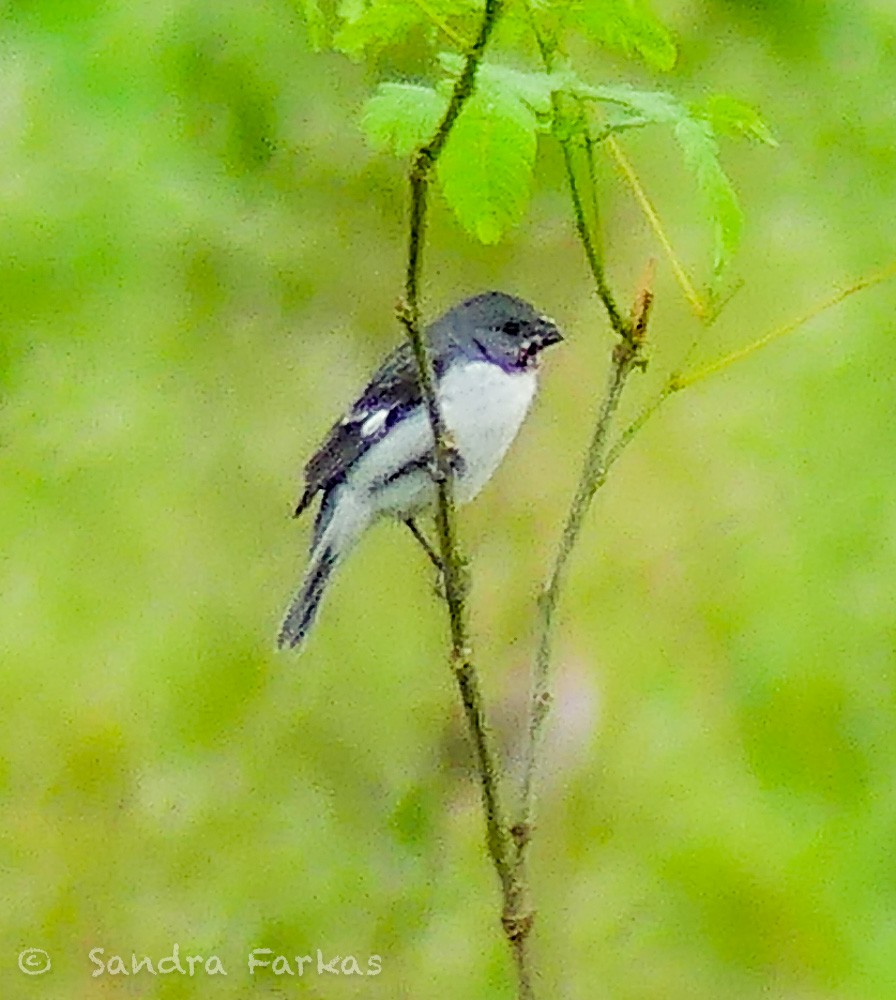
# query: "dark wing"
391,394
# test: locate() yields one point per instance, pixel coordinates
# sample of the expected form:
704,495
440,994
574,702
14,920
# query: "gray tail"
340,523
303,610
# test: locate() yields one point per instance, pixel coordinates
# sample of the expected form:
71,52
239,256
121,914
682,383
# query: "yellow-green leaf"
629,27
486,168
401,117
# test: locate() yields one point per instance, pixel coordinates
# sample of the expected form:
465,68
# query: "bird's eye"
511,327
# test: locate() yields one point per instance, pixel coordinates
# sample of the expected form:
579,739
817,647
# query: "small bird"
379,459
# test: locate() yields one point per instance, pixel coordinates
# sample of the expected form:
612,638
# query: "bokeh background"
199,260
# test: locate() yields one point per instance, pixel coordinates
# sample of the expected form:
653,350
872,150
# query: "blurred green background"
199,260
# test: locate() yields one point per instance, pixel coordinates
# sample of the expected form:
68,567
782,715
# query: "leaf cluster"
485,172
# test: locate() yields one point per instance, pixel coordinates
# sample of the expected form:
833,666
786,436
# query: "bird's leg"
456,467
456,463
455,459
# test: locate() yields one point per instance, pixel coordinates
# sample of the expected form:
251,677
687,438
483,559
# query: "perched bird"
378,460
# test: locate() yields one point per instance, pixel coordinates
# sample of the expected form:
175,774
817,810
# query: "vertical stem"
627,355
515,917
589,483
591,254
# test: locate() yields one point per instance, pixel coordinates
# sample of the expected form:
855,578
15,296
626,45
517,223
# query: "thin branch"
588,245
441,24
508,849
591,472
561,134
627,355
650,212
683,381
676,383
592,186
625,438
598,462
626,358
515,921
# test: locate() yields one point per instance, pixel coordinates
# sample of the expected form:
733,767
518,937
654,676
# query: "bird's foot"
454,461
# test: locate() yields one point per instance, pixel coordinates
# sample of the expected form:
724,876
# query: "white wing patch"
483,407
374,423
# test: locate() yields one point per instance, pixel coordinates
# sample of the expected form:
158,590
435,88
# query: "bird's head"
503,328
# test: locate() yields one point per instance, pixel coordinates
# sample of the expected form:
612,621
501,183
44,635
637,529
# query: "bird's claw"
454,461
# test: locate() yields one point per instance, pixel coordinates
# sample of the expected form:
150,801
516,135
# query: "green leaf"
629,27
533,89
631,107
368,26
701,154
697,141
315,24
486,168
730,116
401,117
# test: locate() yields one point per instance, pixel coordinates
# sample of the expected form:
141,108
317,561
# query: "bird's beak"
546,334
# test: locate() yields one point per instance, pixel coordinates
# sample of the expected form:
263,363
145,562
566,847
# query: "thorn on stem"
461,660
521,833
404,313
438,587
641,306
517,926
542,704
422,164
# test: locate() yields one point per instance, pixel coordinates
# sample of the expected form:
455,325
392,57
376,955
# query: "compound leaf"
401,117
629,27
486,168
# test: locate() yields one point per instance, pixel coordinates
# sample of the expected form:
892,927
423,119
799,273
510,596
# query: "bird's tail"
340,523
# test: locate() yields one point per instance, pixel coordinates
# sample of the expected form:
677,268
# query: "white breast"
484,406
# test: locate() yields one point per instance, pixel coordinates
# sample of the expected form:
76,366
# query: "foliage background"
199,260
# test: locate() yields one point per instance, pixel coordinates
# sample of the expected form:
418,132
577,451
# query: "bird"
378,460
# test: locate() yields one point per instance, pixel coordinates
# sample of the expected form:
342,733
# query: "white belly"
483,407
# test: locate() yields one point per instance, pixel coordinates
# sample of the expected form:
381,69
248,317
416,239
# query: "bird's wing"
392,393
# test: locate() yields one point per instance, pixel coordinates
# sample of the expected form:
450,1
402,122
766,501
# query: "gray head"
500,327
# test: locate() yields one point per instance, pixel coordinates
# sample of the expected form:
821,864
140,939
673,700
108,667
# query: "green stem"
515,918
625,359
